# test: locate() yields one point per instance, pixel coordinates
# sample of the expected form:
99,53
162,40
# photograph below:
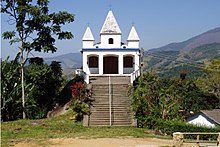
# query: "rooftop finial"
132,23
88,24
110,7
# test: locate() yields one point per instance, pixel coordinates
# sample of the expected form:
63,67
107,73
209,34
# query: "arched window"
110,41
93,61
128,61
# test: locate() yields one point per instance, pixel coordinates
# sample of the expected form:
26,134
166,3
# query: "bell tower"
88,39
133,39
110,33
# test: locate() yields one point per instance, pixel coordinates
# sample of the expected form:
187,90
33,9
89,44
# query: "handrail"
200,133
178,138
134,75
110,102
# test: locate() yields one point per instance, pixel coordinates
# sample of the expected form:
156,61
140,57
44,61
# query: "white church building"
110,56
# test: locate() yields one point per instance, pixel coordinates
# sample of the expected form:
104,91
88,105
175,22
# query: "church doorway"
110,65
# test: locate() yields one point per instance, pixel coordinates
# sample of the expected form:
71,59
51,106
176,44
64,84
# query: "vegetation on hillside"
170,63
44,85
35,29
175,98
170,98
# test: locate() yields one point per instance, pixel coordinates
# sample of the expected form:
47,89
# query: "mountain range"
190,55
211,36
67,61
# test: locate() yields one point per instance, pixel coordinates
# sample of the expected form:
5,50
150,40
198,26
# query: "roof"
133,36
110,25
88,35
212,114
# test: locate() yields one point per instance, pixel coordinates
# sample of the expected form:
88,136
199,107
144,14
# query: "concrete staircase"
111,105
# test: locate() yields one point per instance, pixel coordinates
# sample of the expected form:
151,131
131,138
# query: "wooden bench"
180,138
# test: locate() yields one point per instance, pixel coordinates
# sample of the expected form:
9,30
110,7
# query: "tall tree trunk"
22,62
22,88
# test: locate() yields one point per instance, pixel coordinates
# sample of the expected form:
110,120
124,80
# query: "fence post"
218,139
178,139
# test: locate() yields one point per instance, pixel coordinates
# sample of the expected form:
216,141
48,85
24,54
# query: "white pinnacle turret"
133,39
133,36
88,39
110,25
88,35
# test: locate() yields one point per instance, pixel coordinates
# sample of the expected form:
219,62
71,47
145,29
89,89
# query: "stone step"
113,98
107,123
106,101
123,107
120,102
113,79
100,94
114,103
107,119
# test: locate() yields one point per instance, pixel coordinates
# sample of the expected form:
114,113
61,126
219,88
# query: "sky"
157,22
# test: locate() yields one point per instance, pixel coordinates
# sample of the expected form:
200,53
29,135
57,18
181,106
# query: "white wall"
133,44
105,44
201,121
103,53
88,44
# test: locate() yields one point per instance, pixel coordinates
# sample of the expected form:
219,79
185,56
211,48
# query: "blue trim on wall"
110,49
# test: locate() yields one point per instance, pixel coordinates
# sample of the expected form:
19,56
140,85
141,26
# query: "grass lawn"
62,127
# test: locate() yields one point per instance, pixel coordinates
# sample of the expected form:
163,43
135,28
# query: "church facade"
110,56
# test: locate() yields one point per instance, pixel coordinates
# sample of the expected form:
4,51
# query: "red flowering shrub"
78,91
79,102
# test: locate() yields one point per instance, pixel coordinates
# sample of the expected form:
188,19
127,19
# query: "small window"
110,41
128,61
93,62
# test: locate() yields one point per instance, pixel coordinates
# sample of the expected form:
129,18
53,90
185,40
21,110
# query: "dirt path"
103,142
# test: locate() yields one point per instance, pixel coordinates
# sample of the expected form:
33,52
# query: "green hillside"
171,63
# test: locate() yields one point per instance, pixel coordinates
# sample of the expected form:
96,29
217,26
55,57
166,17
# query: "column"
136,62
100,64
178,139
120,64
85,65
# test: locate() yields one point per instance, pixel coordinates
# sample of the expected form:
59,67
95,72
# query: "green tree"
35,29
10,90
169,98
210,83
46,83
145,95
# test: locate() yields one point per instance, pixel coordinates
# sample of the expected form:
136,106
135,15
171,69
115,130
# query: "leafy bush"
81,98
66,93
43,84
169,98
10,90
